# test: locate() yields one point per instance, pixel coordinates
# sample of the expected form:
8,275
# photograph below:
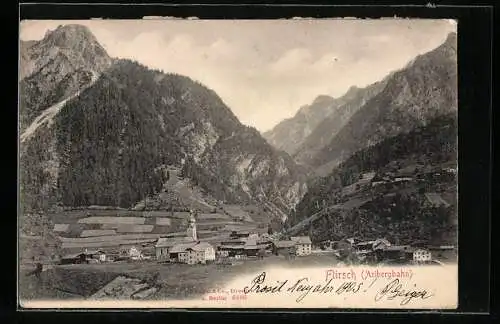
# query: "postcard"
189,163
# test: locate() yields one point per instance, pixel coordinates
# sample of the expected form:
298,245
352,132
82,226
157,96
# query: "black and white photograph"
161,159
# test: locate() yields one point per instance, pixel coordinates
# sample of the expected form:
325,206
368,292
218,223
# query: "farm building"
240,234
162,248
193,253
303,245
372,245
98,255
395,252
232,247
76,258
164,245
284,247
366,178
252,248
407,171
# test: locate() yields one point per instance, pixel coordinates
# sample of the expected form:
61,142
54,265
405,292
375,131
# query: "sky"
265,70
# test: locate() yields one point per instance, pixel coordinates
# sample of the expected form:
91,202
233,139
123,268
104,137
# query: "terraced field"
107,228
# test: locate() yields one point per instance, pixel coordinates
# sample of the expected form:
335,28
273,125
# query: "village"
158,252
242,245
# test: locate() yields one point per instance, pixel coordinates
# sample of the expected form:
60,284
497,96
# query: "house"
179,253
407,171
422,255
253,247
365,179
378,183
364,246
135,254
380,244
303,245
76,258
162,248
231,248
284,247
368,246
267,243
98,255
395,252
239,234
222,253
193,253
164,245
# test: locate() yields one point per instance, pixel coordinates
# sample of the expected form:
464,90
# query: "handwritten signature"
395,290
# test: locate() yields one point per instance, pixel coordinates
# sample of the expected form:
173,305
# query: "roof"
285,244
182,247
255,247
202,246
73,256
410,169
365,243
301,239
397,248
61,227
171,241
94,252
435,198
233,246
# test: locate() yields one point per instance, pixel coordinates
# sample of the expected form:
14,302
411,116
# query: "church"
187,249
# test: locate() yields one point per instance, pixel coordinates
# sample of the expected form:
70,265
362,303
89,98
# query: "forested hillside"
110,145
427,149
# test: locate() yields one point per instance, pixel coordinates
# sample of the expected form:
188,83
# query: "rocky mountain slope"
289,134
57,66
332,123
425,89
111,143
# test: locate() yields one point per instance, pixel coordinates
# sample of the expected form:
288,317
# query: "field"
108,228
176,281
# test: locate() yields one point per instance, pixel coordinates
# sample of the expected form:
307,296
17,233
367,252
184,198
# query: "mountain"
332,123
51,69
112,142
426,88
289,134
386,206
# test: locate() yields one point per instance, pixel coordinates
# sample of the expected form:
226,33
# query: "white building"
303,245
134,253
193,253
421,255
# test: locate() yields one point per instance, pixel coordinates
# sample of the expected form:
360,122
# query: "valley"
117,158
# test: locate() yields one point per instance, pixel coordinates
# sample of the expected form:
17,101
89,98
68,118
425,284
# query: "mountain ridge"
423,90
110,144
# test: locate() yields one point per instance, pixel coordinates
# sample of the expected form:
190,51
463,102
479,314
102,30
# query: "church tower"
191,230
